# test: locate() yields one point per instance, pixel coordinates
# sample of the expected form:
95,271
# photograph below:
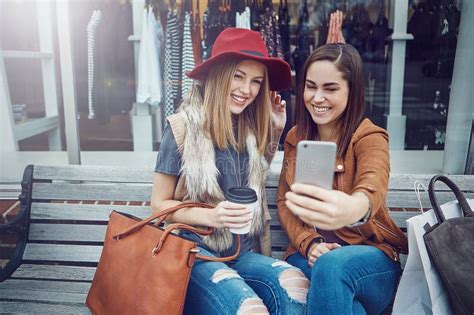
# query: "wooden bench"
70,206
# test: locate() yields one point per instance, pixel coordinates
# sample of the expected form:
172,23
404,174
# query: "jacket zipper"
383,227
340,182
395,254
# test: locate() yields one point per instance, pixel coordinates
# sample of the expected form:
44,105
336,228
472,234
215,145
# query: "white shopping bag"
421,290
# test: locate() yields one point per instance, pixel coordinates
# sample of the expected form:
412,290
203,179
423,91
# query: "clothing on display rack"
91,27
149,69
319,17
187,55
172,68
429,69
255,15
242,20
196,35
270,31
367,29
211,26
284,25
302,50
113,85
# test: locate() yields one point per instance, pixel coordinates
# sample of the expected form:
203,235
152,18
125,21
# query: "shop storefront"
72,73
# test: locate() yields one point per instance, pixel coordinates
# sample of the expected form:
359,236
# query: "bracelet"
363,220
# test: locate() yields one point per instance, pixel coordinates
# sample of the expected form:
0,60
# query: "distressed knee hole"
252,306
281,263
223,274
295,283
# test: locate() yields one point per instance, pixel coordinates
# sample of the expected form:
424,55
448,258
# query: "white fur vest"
198,178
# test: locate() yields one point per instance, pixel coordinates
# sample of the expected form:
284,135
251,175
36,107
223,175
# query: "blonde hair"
218,117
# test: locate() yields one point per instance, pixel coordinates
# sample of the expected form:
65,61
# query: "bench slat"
54,272
45,285
142,175
62,253
44,291
83,212
403,181
67,191
400,217
406,182
42,308
93,173
67,232
96,233
395,199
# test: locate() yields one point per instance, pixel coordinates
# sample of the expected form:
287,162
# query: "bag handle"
466,209
161,214
170,228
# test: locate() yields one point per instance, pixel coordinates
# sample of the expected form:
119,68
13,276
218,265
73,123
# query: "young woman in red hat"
342,239
224,135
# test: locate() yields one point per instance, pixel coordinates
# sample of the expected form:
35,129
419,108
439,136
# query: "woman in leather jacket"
343,239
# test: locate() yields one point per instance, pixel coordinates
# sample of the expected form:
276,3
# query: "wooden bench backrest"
71,204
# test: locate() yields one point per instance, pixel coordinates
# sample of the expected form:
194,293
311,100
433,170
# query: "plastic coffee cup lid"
243,195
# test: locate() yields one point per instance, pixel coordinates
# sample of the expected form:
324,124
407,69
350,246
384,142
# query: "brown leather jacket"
365,167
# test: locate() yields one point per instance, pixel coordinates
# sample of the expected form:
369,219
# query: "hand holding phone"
315,162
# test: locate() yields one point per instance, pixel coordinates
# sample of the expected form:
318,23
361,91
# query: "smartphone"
315,161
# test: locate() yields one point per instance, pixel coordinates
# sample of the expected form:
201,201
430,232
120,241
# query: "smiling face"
325,94
245,85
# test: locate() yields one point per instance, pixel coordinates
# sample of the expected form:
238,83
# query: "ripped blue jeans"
250,284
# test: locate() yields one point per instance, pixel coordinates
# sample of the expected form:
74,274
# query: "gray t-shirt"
233,171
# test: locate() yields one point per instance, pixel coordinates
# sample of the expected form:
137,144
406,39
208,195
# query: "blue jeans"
353,279
241,285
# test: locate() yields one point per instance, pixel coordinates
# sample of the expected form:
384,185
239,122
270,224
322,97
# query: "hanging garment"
271,33
160,47
196,36
153,59
143,89
172,71
302,50
91,28
242,20
114,89
284,26
188,55
255,13
149,77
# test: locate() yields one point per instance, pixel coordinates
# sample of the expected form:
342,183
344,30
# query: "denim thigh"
250,276
352,279
281,294
215,288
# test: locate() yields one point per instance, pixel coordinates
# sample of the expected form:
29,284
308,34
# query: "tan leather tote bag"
145,269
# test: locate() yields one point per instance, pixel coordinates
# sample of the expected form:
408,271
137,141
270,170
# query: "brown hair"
218,117
347,60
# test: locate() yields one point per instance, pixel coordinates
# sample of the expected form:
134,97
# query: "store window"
31,110
409,55
104,73
429,71
415,71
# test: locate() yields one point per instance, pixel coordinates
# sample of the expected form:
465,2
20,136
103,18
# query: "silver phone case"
315,161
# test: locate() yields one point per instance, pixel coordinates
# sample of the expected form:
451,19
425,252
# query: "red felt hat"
245,44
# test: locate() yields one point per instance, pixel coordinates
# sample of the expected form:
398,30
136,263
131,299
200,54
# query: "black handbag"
450,245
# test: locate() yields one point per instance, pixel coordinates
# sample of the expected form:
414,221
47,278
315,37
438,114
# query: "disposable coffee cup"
244,196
